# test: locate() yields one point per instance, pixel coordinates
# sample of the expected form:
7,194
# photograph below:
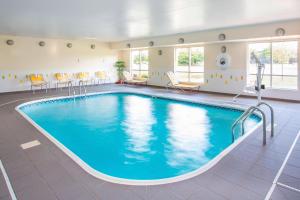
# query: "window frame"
271,64
189,72
140,70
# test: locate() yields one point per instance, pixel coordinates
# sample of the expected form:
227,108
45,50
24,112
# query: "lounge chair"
100,77
37,80
129,79
174,83
62,79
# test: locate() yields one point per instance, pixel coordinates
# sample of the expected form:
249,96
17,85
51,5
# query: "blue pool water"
136,136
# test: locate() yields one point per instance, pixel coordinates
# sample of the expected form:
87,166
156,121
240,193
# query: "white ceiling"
115,20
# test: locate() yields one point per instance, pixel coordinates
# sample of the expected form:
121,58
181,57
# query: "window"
139,63
189,64
281,64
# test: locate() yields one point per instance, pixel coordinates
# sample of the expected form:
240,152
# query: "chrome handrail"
243,118
81,83
272,115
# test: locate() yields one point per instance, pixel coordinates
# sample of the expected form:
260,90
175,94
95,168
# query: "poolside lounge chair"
37,80
62,79
173,82
128,78
100,77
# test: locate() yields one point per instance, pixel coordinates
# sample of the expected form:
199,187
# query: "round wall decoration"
151,43
69,45
223,49
10,42
42,43
280,32
223,61
222,36
181,40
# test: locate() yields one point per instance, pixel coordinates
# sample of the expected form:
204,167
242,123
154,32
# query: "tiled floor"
45,172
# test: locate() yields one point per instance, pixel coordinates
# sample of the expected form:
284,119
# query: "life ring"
223,60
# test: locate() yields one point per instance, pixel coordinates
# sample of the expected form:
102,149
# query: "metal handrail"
81,83
272,115
70,86
243,118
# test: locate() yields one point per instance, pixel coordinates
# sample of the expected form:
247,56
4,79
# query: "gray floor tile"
246,173
284,194
36,192
289,180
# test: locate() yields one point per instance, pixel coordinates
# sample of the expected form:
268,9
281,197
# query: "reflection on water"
137,124
138,137
188,136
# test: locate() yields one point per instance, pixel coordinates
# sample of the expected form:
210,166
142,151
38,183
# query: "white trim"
7,181
275,182
288,187
112,179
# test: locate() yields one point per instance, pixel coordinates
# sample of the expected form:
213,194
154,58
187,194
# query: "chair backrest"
61,76
172,77
127,76
82,75
36,78
100,74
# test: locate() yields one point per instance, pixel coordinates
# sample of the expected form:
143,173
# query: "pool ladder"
82,84
71,88
248,113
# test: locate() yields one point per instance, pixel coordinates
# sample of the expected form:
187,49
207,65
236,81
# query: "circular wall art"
151,43
222,36
280,32
223,49
42,43
181,40
10,42
69,45
223,61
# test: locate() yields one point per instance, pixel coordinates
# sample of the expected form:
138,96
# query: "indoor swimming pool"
135,138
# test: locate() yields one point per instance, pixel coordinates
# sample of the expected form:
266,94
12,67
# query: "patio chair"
129,79
174,83
62,79
37,80
83,78
100,77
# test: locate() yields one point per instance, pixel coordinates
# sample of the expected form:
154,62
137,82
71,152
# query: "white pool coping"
124,181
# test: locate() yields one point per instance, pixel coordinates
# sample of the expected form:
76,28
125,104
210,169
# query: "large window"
139,63
189,64
281,64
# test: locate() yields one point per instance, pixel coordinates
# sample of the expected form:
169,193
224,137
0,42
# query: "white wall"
232,80
26,57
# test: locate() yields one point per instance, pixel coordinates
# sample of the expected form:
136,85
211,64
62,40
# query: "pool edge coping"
86,167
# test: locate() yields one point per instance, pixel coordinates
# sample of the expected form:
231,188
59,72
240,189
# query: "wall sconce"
222,37
160,52
10,42
181,40
280,32
42,43
93,46
151,43
69,45
223,49
128,45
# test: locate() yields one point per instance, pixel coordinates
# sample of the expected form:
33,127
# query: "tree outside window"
190,64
